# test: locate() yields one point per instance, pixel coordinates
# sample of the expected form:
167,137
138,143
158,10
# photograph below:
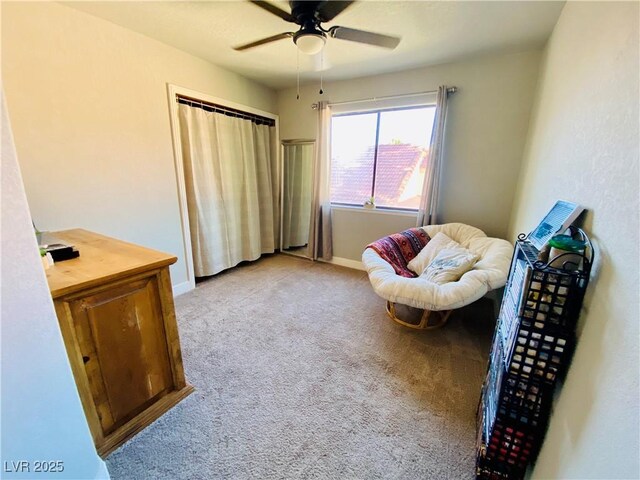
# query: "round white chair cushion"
488,273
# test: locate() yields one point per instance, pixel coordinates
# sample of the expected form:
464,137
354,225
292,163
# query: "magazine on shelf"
513,305
559,218
493,388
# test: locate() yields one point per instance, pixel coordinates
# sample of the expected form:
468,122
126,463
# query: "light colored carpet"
299,374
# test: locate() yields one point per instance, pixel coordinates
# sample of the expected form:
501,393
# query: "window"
381,154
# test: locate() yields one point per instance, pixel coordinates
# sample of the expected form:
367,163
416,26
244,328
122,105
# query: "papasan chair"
389,263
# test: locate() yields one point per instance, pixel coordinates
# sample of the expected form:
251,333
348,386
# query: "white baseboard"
345,262
181,288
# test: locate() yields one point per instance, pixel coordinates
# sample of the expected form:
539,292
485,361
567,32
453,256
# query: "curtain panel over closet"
231,187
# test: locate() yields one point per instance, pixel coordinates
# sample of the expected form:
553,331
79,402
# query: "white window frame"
379,106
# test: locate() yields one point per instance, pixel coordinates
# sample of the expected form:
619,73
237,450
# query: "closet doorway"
296,196
228,171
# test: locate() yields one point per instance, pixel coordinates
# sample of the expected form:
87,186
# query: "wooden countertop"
101,259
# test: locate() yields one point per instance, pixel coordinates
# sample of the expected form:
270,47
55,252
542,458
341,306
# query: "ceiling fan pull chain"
321,70
297,74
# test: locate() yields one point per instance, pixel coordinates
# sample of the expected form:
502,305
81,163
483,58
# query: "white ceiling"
432,32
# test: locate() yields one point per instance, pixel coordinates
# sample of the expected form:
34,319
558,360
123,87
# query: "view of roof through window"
381,154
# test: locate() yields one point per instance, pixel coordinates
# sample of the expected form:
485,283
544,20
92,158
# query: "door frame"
283,144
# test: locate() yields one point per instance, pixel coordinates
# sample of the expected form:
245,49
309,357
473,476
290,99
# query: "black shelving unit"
531,350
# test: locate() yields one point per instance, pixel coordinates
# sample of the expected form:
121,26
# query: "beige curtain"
228,167
427,212
320,228
297,194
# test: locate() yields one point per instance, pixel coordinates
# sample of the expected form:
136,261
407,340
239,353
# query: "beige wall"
355,229
487,126
88,104
583,147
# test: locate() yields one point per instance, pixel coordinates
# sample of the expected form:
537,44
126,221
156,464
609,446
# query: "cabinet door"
121,335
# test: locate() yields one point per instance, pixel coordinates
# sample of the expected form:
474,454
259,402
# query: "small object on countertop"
47,260
370,203
60,252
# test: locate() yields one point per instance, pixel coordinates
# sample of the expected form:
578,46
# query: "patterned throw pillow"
439,242
449,265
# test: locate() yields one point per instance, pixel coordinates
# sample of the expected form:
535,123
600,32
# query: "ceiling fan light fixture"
310,43
310,15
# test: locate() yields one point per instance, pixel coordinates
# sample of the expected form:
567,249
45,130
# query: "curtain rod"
300,141
450,90
231,112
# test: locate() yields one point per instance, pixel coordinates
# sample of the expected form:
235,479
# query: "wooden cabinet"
115,308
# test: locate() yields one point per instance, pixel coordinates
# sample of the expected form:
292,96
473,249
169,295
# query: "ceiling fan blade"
273,38
274,10
332,9
361,36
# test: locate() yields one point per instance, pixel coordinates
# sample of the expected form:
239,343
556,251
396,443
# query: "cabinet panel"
122,340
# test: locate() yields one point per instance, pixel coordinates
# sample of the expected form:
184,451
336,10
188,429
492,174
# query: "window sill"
377,211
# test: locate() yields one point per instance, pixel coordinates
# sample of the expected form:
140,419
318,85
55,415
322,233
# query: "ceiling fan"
311,37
